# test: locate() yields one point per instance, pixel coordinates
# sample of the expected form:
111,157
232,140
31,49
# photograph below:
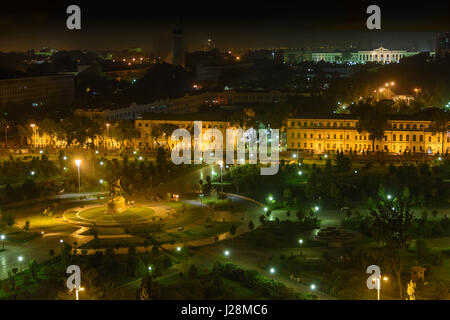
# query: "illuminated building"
339,133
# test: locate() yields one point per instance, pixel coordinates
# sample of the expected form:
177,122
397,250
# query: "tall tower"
177,47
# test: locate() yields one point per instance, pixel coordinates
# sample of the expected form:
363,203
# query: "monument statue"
115,189
117,201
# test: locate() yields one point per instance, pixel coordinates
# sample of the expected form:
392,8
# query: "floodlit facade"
379,55
328,135
153,134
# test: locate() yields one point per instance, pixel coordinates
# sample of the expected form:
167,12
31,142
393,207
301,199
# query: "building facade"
154,135
443,44
379,55
37,90
192,103
328,135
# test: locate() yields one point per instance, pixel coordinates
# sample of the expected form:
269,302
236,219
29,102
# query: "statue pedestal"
116,204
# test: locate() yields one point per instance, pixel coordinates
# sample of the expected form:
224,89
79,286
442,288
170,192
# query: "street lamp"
378,282
20,258
76,292
32,126
2,237
107,137
300,241
6,135
272,272
226,253
313,286
78,163
221,179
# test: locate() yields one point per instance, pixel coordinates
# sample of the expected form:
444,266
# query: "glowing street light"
378,283
389,197
226,253
20,258
316,208
78,163
2,237
221,178
300,173
178,249
76,291
272,272
313,286
32,173
265,209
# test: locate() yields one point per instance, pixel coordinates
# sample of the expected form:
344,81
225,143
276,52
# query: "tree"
287,195
81,129
149,289
372,121
391,220
439,124
193,272
34,269
52,128
251,225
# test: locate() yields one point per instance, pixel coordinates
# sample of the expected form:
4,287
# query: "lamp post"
272,271
20,258
300,242
2,237
388,85
76,292
78,163
107,134
6,135
221,180
378,283
32,126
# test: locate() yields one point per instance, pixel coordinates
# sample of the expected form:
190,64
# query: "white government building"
379,55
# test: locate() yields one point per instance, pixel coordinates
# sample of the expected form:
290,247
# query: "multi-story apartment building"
37,90
339,133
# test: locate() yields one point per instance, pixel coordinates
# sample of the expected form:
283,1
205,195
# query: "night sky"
109,26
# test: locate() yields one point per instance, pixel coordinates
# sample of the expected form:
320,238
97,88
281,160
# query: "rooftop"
196,116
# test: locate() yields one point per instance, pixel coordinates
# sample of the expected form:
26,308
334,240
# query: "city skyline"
266,26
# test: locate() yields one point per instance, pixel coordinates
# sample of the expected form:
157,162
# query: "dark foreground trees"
392,220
